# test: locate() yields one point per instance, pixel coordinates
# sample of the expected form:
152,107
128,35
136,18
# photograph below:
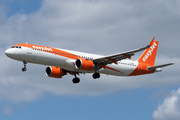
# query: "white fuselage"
122,68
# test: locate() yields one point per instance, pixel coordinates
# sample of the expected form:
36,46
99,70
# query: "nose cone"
8,52
12,53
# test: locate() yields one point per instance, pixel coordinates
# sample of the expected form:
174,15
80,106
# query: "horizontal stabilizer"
159,66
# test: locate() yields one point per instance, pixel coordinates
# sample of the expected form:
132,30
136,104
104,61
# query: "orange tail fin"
149,55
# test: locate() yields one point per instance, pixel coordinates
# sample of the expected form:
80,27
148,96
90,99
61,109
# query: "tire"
76,80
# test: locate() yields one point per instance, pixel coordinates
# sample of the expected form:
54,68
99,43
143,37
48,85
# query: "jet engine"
84,64
55,72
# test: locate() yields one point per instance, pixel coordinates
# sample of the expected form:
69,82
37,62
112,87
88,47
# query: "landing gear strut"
24,68
76,79
96,75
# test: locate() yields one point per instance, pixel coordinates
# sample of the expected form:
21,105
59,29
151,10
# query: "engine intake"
55,72
84,64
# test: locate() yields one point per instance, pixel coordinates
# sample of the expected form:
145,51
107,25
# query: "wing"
102,62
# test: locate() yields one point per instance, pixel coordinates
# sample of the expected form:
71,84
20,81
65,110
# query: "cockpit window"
16,47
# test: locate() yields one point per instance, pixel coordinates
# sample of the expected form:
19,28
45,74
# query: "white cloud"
92,26
170,108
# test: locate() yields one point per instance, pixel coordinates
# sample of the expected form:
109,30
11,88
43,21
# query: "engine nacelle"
55,72
84,64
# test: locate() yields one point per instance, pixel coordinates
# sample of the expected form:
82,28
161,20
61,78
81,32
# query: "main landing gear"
76,79
24,68
96,75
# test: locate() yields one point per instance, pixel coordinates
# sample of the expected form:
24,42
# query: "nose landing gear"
24,68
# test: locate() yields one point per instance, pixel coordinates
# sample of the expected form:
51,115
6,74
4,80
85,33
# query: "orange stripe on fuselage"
106,67
50,50
141,69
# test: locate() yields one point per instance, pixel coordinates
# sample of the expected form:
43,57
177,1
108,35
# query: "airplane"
61,62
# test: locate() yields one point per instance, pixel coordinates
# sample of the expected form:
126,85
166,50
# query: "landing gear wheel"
24,69
76,80
96,75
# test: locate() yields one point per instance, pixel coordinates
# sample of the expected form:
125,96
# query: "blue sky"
100,27
21,6
137,103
